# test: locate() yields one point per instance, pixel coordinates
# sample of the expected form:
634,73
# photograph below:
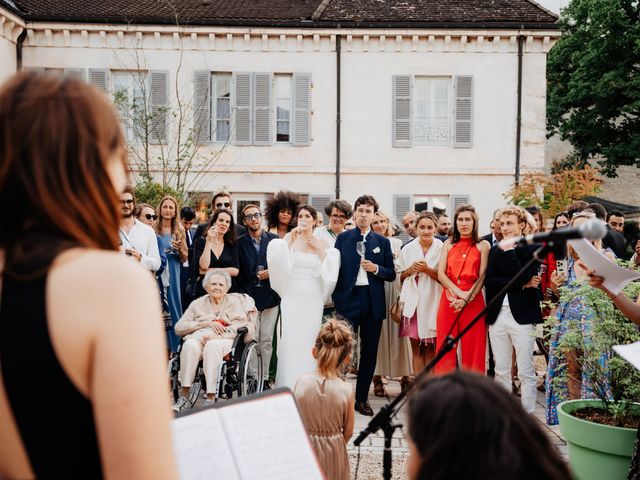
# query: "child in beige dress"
326,402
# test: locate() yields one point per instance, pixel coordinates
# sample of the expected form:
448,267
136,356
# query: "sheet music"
269,441
631,353
201,448
615,277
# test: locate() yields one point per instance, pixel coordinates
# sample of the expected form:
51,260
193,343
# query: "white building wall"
10,29
369,162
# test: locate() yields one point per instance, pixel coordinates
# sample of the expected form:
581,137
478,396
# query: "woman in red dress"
461,273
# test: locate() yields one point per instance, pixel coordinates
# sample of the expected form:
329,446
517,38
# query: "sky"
553,5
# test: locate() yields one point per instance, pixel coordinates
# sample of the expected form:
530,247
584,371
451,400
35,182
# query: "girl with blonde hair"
326,401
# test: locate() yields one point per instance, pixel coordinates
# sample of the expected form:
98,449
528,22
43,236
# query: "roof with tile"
360,13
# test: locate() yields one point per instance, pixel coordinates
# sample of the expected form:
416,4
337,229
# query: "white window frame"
213,99
131,74
450,111
275,109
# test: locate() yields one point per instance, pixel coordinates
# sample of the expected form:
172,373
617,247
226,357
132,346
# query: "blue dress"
575,310
169,284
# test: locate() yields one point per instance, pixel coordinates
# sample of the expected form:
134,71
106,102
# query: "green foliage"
615,382
152,192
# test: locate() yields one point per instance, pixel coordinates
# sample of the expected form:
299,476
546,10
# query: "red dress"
463,269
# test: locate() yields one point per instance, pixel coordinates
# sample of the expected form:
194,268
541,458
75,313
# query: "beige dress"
394,351
324,404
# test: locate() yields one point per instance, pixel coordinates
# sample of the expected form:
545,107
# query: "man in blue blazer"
359,293
254,281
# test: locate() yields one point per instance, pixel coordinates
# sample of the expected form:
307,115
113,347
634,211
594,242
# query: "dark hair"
128,188
58,139
310,209
443,214
558,215
229,237
341,205
614,213
221,193
282,200
455,233
501,440
598,209
188,213
366,200
575,207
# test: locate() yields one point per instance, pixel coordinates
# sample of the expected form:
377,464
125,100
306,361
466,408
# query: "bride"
303,270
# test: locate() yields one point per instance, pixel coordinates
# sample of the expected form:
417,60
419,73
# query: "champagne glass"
360,248
260,269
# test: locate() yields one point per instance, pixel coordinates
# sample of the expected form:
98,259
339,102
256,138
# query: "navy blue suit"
363,306
264,296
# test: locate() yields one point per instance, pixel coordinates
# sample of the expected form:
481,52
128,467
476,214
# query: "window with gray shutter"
463,112
401,205
402,110
99,78
202,106
319,202
75,73
159,104
456,201
243,108
262,108
301,109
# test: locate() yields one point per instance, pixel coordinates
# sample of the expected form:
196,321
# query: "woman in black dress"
216,249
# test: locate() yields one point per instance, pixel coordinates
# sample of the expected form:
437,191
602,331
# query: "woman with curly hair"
280,211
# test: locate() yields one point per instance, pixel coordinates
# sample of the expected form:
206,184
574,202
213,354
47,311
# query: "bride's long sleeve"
328,270
280,263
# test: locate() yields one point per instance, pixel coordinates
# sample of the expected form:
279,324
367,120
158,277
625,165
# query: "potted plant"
600,432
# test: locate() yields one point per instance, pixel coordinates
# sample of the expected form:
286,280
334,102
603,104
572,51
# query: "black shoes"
364,408
266,385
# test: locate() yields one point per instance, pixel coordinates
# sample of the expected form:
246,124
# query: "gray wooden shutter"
401,205
319,202
463,112
243,111
456,201
75,73
99,78
301,109
402,134
262,115
202,106
159,85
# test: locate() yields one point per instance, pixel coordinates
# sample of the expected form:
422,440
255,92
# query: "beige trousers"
211,354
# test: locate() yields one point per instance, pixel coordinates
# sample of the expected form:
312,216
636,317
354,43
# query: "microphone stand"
383,419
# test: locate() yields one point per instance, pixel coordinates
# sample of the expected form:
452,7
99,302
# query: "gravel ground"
371,466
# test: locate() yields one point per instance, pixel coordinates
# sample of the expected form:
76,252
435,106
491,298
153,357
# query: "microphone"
594,229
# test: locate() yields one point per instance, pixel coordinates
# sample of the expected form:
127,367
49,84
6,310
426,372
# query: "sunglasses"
253,216
128,202
225,205
150,216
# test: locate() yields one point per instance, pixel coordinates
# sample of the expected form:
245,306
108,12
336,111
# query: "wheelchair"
240,373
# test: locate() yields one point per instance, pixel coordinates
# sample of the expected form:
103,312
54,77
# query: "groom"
359,293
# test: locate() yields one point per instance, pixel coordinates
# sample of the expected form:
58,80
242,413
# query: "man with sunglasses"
221,200
137,240
253,280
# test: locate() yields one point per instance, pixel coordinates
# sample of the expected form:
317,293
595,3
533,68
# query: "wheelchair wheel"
250,370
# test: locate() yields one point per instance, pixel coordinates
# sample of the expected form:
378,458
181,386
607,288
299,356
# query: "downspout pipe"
19,43
338,113
519,108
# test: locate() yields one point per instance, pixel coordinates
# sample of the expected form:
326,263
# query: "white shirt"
362,278
323,232
142,238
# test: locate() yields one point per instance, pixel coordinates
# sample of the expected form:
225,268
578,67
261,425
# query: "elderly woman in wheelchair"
209,327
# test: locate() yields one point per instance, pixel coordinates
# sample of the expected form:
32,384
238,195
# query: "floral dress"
575,310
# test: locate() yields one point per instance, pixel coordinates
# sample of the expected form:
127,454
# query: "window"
221,106
283,89
129,98
432,111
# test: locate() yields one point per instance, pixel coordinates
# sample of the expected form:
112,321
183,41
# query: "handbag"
395,312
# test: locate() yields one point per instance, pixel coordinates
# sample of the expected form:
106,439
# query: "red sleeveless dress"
463,268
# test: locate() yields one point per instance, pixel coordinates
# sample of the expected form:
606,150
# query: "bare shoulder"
483,245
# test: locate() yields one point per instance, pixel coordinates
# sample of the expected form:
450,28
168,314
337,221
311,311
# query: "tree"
553,193
593,92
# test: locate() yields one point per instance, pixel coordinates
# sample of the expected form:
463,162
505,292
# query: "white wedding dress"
304,284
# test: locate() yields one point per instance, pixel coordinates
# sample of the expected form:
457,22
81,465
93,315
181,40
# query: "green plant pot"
596,451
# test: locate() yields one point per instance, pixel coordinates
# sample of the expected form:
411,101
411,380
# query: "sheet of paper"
268,439
201,449
615,277
631,353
